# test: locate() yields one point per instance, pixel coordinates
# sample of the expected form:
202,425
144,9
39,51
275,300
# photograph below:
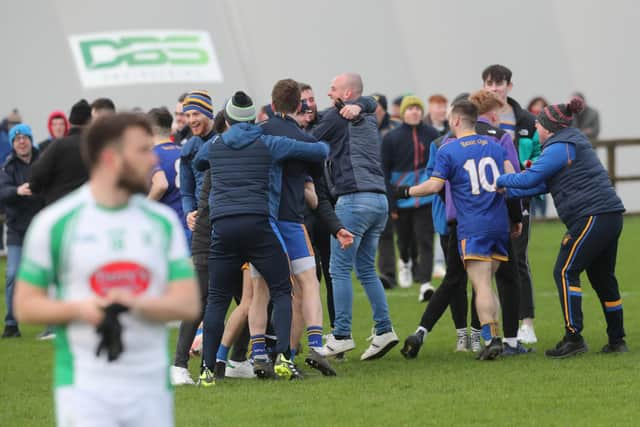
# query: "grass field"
440,387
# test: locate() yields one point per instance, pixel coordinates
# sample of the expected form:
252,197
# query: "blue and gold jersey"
169,162
472,164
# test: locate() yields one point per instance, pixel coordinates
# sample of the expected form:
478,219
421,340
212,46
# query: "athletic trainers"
405,276
180,376
320,363
569,346
239,369
46,335
474,340
263,368
411,346
207,379
334,346
439,270
387,281
492,351
426,292
526,335
515,351
11,331
380,345
619,347
462,342
286,369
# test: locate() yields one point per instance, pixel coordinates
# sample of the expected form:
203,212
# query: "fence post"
611,162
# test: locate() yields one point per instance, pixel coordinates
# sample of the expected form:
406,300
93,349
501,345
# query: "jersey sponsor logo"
123,275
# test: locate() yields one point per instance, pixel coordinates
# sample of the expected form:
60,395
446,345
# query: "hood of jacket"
241,135
57,114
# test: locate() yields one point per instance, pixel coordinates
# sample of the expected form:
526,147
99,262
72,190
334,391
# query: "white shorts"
80,408
298,266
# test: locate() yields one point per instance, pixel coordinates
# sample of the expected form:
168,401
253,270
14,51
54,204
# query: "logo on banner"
155,56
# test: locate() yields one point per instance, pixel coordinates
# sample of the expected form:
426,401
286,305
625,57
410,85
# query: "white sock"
461,332
513,342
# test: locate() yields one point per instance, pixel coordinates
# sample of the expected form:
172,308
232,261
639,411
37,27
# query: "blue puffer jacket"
571,171
246,170
583,188
354,159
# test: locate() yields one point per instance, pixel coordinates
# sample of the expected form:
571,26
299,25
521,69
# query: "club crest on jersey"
123,275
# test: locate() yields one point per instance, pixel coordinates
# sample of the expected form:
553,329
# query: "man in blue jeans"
21,206
358,183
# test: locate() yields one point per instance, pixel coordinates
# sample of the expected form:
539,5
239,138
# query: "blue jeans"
13,262
364,215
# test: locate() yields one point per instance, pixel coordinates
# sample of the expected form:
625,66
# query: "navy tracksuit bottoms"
236,240
591,244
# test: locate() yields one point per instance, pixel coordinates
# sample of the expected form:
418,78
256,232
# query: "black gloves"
402,192
110,332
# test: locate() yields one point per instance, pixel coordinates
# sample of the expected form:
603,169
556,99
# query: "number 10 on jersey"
478,174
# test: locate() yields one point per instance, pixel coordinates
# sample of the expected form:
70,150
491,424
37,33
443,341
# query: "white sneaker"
474,340
180,376
439,270
380,345
426,292
239,369
333,346
405,276
462,343
526,335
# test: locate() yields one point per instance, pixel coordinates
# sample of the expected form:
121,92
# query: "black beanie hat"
240,108
381,99
559,116
80,113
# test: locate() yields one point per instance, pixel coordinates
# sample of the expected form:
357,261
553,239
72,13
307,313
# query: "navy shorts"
489,247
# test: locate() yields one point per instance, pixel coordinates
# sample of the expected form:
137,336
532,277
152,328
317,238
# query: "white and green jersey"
86,250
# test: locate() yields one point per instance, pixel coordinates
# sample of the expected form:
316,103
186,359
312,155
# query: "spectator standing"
21,206
58,126
588,121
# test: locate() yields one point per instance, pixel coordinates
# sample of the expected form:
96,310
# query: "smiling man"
198,111
136,258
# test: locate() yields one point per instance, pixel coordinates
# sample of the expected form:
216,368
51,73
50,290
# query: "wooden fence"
610,145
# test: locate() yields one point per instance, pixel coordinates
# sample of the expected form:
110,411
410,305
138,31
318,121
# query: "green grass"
439,387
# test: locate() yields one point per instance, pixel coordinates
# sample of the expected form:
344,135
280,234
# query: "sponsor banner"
149,56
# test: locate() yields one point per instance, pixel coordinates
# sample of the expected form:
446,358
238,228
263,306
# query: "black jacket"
405,153
525,122
201,237
294,172
60,169
20,210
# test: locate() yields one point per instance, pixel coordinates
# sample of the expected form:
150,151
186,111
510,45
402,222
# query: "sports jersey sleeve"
36,266
442,167
180,266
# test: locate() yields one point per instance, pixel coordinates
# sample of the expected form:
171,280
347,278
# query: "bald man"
358,183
